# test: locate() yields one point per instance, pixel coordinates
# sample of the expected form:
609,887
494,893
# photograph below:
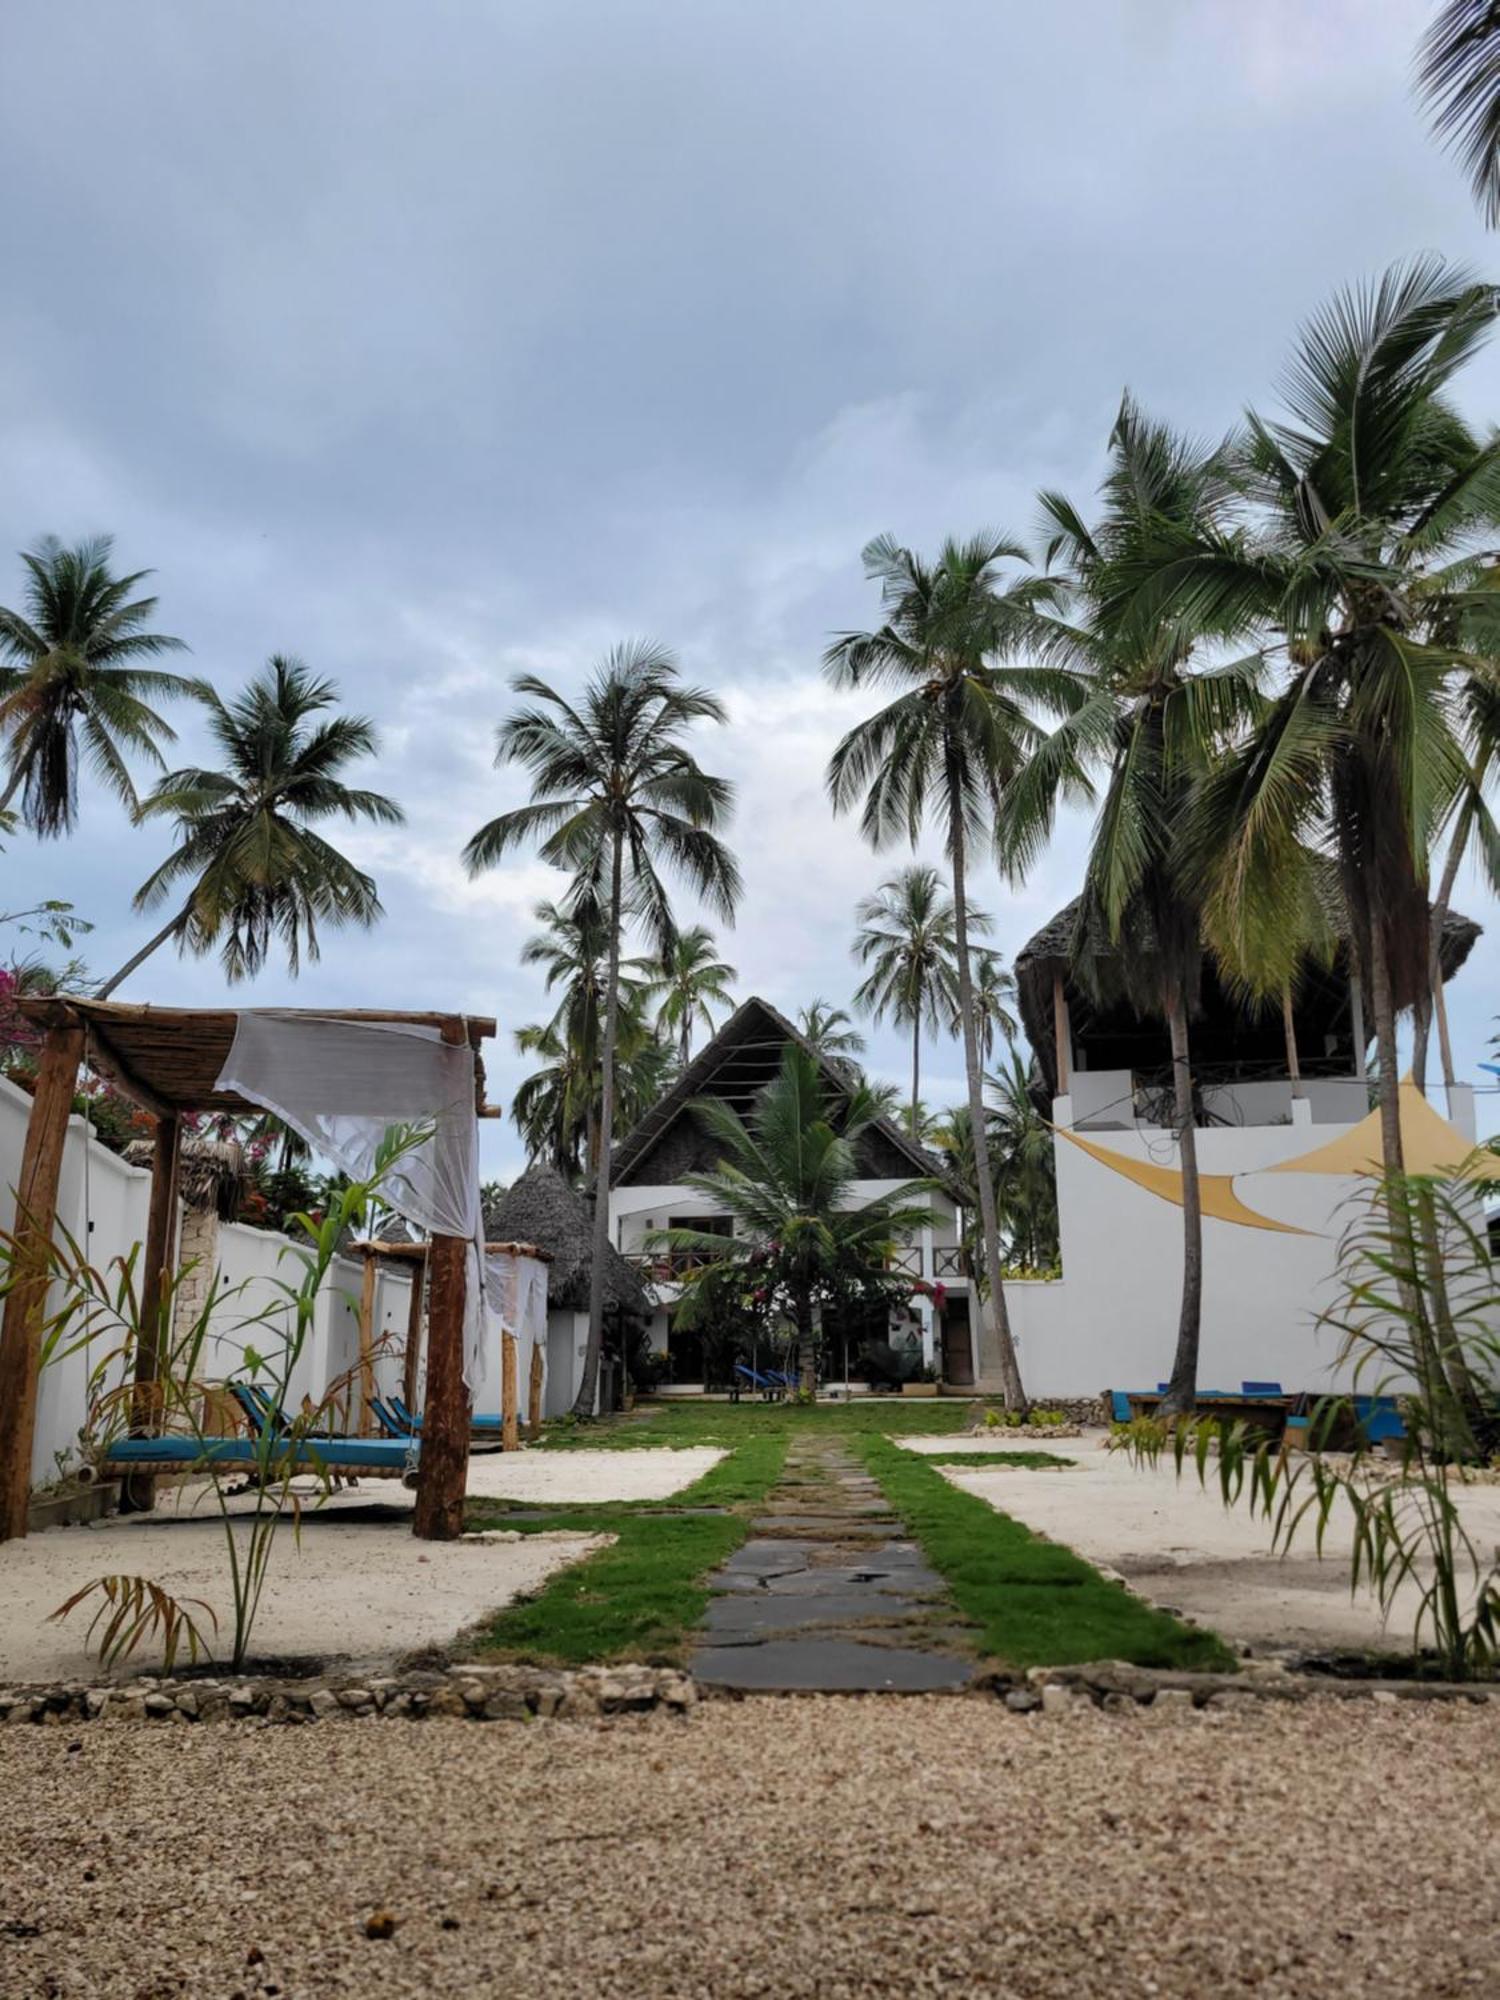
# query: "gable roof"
736,1065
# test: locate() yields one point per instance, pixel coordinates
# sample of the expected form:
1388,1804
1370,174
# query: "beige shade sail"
1216,1191
1429,1145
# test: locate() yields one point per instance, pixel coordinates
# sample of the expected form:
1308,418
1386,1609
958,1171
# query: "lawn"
1028,1602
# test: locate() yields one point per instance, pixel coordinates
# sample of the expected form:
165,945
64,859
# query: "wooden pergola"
415,1254
168,1060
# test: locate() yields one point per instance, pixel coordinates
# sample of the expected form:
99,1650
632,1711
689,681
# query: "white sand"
1180,1547
358,1586
987,1443
576,1477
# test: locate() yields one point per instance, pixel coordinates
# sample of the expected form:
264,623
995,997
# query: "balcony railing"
948,1262
907,1261
667,1265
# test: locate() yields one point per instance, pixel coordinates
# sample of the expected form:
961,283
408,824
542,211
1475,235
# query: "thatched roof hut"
1228,1039
541,1208
210,1174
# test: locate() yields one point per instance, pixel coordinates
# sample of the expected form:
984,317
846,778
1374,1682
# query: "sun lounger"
772,1390
182,1454
413,1422
1379,1419
1261,1389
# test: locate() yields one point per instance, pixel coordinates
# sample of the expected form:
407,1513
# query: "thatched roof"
541,1208
210,1172
736,1065
1321,1009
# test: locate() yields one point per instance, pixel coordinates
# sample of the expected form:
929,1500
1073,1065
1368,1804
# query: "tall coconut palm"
688,982
1472,832
906,940
949,745
830,1032
556,1106
994,997
1458,73
801,1241
615,795
1377,503
73,683
1154,720
256,866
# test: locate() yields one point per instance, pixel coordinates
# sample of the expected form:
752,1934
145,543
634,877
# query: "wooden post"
1062,1034
158,1261
510,1424
444,1464
26,1301
413,1361
534,1405
367,1346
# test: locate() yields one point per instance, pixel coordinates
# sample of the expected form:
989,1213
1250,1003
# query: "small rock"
1386,1696
381,1924
159,1704
506,1708
1173,1698
356,1698
1056,1700
323,1702
187,1702
1021,1701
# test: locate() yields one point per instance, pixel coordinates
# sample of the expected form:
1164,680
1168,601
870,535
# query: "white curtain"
341,1084
515,1291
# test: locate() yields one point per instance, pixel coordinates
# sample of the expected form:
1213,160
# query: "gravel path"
833,1847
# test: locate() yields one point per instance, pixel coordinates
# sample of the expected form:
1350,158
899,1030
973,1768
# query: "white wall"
103,1202
1112,1320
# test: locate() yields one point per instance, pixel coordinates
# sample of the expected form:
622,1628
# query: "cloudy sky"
438,342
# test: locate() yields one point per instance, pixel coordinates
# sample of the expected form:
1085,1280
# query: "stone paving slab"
828,1666
765,1614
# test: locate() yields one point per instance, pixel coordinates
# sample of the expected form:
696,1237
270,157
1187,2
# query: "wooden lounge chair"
773,1391
379,1456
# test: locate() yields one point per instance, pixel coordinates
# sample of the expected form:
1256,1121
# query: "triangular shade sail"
1215,1191
1429,1144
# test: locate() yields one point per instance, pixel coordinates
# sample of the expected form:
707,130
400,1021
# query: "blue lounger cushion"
415,1422
1379,1417
1261,1389
1119,1405
375,1454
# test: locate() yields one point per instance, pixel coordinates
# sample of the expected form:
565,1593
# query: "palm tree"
787,1178
556,1107
994,996
615,794
72,681
1154,720
573,945
1378,504
830,1032
906,941
950,743
1473,829
248,845
1025,1159
688,981
1458,73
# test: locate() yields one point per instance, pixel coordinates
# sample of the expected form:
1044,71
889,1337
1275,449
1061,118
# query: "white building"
647,1193
1274,1213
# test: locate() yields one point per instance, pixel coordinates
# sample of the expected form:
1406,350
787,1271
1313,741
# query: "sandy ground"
1180,1547
358,1586
832,1848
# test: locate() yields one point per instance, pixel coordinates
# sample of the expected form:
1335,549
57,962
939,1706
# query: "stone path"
827,1594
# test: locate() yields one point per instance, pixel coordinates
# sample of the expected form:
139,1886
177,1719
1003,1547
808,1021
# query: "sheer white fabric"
515,1292
342,1083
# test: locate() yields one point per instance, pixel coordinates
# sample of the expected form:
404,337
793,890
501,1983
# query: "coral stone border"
511,1693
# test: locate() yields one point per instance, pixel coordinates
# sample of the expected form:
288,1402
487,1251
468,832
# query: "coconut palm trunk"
168,929
588,1387
1183,1384
1003,1357
1435,1001
916,1074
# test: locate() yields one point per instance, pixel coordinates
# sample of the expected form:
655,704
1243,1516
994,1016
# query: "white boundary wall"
102,1202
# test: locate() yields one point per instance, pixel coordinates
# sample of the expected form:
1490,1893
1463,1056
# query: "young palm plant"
74,683
906,942
616,794
786,1177
249,847
1154,720
949,745
687,982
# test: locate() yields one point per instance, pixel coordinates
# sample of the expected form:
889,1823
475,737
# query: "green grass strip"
976,1461
641,1598
1034,1602
687,1421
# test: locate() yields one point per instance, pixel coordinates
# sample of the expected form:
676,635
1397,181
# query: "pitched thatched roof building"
541,1208
1229,1042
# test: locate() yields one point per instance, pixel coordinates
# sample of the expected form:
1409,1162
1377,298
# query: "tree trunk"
1435,1001
807,1350
1003,1356
1385,1049
1182,1388
916,1071
1289,1027
588,1387
142,955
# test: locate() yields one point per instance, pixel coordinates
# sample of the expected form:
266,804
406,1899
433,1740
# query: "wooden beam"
158,1262
367,1348
444,1464
510,1390
534,1403
412,1361
26,1301
1062,1031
